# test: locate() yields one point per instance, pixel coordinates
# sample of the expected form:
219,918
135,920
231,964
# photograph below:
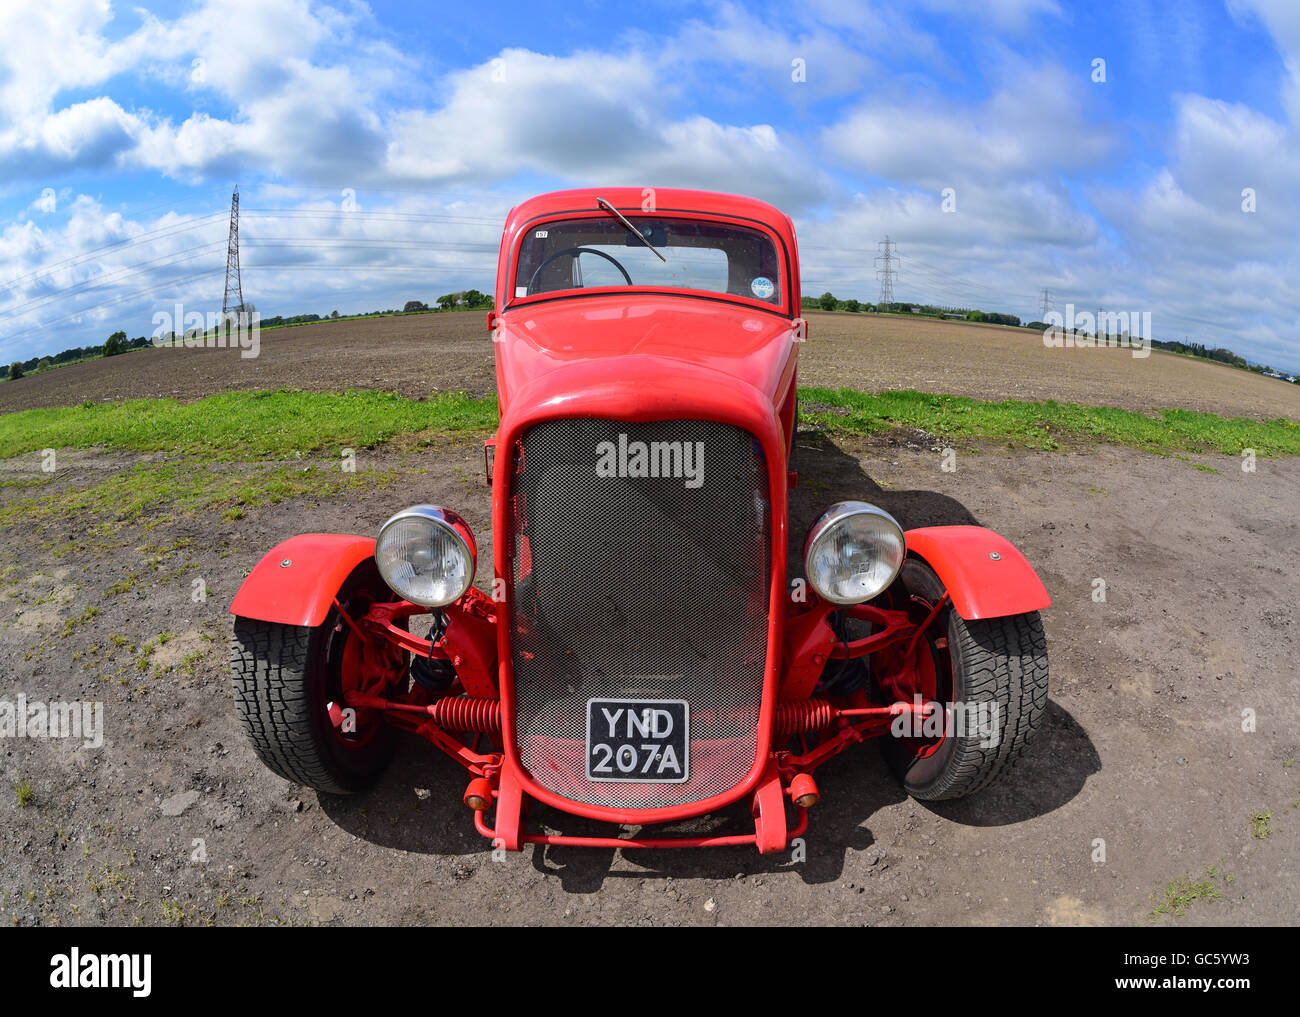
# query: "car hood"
641,339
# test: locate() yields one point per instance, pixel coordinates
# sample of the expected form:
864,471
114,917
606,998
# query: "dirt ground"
420,354
1142,773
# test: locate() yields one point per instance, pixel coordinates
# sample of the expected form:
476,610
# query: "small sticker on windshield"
521,291
541,234
762,288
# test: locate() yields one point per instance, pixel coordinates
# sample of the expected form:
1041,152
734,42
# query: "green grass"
1180,894
153,493
1260,825
244,425
235,426
1044,425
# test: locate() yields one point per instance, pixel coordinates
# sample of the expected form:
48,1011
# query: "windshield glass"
576,253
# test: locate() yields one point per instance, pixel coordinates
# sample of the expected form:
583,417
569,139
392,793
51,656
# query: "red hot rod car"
643,656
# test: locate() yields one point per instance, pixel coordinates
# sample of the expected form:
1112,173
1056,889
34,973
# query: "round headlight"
853,552
426,554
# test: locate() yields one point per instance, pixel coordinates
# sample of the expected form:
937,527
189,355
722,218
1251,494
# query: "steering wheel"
575,251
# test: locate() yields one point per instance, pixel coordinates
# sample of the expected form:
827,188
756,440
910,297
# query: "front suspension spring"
800,716
463,713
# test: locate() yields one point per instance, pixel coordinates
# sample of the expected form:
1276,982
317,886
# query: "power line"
136,294
363,243
358,213
116,276
160,233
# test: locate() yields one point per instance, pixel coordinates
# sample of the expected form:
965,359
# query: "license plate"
645,741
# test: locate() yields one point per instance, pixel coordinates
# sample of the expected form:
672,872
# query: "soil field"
1147,797
1162,788
417,355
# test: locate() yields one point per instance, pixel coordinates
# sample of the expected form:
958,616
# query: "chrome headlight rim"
825,526
454,527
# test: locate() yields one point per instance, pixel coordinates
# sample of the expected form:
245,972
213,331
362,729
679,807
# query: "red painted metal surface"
302,591
639,389
980,585
637,202
641,354
649,843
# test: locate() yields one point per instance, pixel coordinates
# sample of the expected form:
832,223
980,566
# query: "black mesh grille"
639,588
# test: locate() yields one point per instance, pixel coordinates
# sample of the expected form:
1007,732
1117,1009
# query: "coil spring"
462,713
799,716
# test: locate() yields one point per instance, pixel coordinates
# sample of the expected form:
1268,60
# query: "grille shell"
638,588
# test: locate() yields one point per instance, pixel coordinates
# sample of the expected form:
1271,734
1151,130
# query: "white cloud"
592,117
315,94
1031,126
1282,20
1007,14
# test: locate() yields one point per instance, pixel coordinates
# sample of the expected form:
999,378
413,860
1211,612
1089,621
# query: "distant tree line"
1198,350
465,300
1190,349
829,302
118,343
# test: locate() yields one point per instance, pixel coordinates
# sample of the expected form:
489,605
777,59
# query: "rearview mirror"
657,235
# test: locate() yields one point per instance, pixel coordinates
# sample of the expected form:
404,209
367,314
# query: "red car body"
641,356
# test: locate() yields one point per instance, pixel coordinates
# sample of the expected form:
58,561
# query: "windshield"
577,253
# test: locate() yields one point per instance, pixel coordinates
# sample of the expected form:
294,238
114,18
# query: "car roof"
666,200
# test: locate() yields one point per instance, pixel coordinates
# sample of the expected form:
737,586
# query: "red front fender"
297,580
985,575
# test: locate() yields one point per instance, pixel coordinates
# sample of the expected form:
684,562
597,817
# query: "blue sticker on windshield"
762,288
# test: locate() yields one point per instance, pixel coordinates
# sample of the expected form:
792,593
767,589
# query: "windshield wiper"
602,203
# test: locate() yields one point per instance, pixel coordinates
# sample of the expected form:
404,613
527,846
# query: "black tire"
997,660
284,675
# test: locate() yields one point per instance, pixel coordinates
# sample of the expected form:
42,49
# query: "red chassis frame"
643,354
466,721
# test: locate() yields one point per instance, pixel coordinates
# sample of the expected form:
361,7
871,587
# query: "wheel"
996,667
289,685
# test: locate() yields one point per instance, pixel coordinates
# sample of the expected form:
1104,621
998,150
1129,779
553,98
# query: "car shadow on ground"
854,786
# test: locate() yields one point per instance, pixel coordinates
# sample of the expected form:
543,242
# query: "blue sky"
378,148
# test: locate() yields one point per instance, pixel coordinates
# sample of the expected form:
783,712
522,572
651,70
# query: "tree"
15,371
415,305
852,305
827,301
447,301
334,314
116,344
473,298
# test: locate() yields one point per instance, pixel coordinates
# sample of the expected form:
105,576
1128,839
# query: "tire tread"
270,667
1005,661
